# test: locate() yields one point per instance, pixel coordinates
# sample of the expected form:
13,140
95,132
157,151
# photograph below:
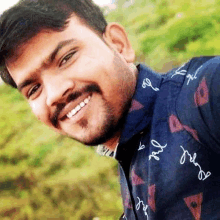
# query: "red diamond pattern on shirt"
201,96
136,180
192,132
175,124
151,197
135,105
194,203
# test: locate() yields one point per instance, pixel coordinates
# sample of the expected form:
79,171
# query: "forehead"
75,29
39,47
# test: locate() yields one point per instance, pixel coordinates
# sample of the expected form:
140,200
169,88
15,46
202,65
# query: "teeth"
78,107
73,112
82,104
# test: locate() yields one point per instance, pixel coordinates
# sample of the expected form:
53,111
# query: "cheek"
42,114
39,111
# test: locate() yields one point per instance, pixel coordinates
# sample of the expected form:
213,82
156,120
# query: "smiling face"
76,82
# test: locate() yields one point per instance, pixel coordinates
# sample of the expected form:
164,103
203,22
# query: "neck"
112,143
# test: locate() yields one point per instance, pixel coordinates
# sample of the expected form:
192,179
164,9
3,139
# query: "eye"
33,90
66,58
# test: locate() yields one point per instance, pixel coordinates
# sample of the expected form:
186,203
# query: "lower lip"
79,114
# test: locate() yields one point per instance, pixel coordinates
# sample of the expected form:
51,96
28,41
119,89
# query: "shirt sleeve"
198,104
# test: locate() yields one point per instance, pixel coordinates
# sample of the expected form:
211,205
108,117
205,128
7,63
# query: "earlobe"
115,36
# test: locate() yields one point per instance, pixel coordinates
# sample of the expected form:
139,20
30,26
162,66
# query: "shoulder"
198,103
202,65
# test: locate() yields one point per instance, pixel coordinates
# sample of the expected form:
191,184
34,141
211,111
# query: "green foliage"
47,176
166,33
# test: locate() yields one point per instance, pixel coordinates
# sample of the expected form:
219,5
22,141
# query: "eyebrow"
47,62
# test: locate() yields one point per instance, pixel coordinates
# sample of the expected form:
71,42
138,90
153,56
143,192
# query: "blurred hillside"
166,33
47,176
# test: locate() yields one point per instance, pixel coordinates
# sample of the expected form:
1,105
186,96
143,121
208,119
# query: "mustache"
94,88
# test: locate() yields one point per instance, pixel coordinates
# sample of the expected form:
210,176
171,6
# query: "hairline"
16,55
20,47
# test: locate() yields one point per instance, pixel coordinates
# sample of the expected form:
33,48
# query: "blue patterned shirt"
169,149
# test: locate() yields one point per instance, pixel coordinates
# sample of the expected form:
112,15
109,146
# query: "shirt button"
193,204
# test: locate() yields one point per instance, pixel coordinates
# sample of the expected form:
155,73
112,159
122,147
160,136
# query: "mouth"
76,105
79,107
75,108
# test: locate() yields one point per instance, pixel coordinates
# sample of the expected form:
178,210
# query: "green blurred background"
47,176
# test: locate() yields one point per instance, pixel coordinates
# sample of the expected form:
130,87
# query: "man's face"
74,82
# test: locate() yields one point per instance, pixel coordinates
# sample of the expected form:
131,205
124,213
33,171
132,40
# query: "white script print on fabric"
147,82
192,77
155,153
202,175
144,207
180,71
124,217
141,147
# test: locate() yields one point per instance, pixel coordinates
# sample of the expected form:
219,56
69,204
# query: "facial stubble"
111,123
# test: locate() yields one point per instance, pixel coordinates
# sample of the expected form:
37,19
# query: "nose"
57,89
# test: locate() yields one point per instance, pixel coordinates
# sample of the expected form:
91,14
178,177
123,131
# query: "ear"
116,37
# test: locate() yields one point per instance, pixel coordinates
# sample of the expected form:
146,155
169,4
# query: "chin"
93,135
102,133
95,138
100,128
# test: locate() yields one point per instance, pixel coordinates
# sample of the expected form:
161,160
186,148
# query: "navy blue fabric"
169,149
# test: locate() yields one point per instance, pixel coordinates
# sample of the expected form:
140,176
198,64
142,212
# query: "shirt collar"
141,110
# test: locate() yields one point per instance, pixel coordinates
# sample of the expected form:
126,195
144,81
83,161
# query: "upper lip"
71,105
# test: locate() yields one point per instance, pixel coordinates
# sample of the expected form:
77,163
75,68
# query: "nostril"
58,89
66,92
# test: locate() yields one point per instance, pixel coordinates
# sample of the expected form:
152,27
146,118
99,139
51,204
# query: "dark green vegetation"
46,176
167,33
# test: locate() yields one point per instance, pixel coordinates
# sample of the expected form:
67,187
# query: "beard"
110,120
109,127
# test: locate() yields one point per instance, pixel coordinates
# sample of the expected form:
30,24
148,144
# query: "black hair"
28,17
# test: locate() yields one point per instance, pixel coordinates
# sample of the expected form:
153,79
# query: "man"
78,76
